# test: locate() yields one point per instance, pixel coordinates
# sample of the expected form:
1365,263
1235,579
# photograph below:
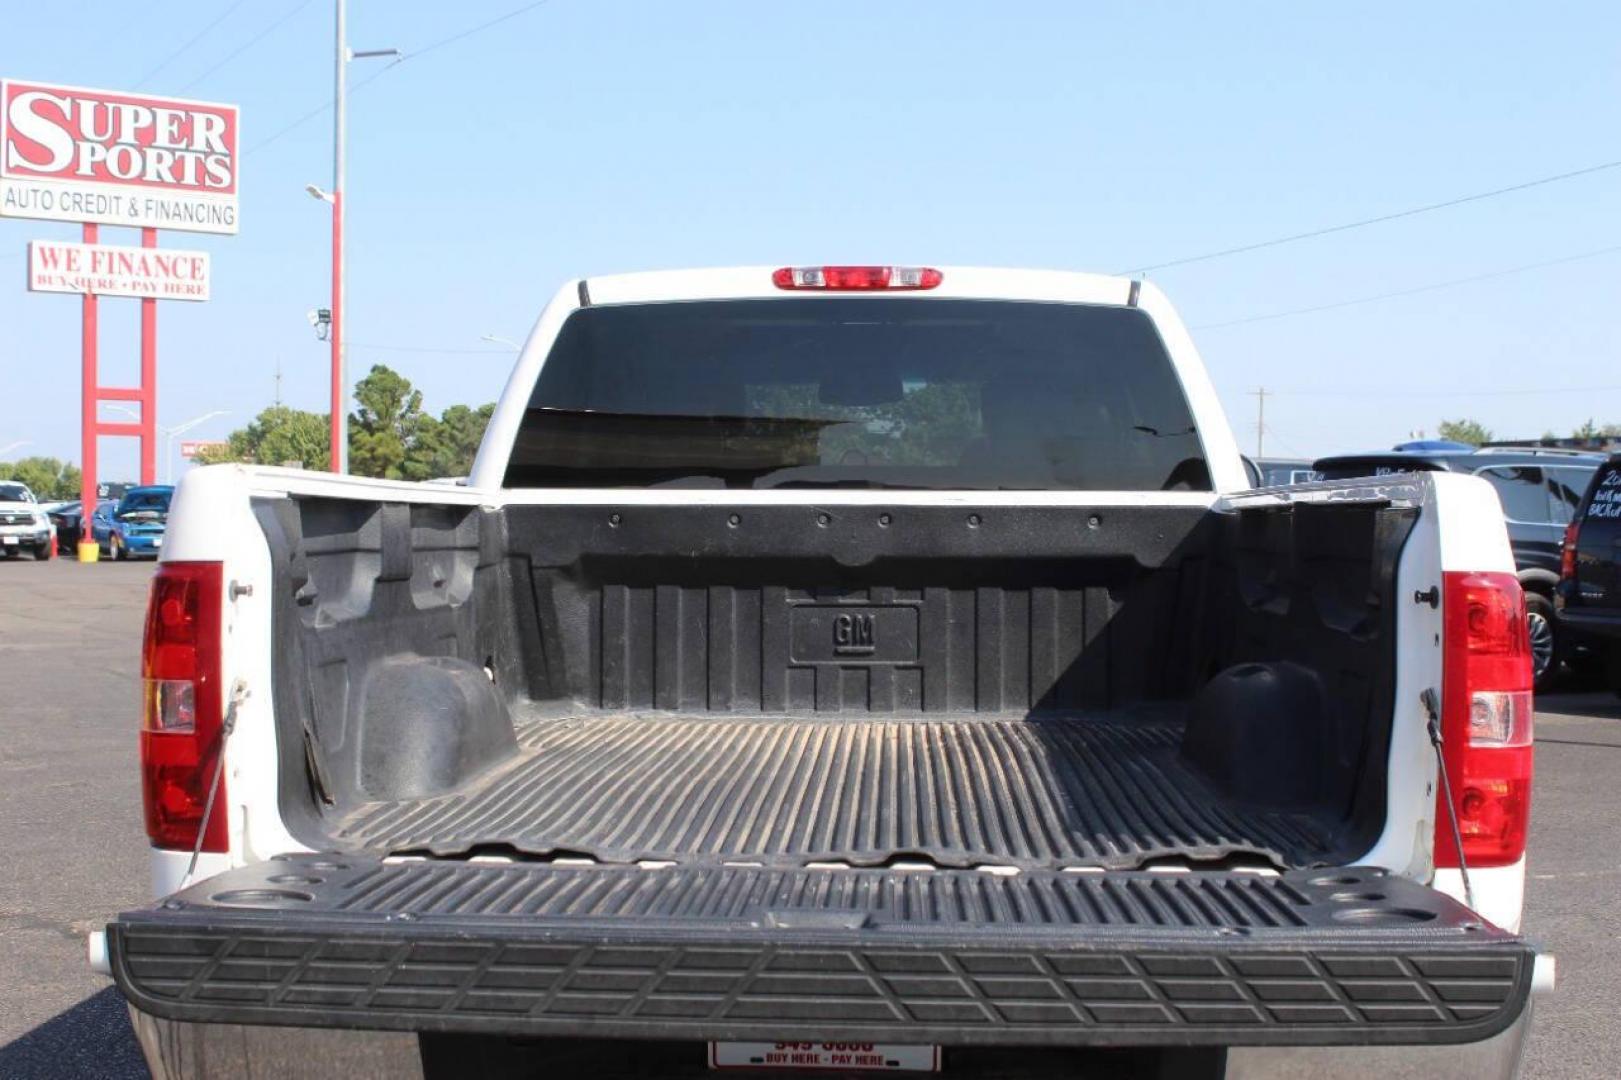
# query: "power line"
245,46
428,349
480,28
319,109
195,38
1434,286
1381,219
428,48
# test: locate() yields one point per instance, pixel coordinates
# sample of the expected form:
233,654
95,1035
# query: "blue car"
133,525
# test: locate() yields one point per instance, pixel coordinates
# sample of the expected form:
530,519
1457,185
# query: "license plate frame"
822,1057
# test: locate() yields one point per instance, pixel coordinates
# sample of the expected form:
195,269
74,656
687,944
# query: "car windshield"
144,502
14,493
859,392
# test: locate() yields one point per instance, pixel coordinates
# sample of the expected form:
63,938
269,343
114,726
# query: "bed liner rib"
1030,791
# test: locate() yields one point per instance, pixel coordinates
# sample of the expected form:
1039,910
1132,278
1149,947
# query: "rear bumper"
177,1050
1341,958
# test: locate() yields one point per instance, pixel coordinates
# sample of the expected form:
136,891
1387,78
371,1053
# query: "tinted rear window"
1357,468
1523,491
886,392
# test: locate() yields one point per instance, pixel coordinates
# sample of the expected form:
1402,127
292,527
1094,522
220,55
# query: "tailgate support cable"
239,694
1431,706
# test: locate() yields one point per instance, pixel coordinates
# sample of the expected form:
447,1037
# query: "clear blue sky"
590,136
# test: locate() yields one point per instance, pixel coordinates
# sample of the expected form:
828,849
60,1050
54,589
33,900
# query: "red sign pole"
149,377
87,445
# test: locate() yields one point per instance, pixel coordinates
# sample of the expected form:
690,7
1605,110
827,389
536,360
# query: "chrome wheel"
1541,632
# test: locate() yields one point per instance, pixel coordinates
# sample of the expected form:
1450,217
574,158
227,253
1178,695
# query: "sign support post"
149,377
145,395
88,548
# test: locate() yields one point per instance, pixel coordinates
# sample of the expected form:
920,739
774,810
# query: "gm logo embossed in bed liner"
844,633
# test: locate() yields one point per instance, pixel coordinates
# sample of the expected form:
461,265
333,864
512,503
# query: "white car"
837,667
23,524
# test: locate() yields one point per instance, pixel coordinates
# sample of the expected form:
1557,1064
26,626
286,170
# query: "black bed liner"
1050,791
952,957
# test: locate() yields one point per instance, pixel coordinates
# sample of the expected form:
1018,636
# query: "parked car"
23,525
823,667
135,524
1539,489
65,518
1590,571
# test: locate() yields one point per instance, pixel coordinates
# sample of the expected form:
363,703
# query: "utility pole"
278,382
340,123
339,421
1260,421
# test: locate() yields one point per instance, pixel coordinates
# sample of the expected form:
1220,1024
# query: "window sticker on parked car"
1606,497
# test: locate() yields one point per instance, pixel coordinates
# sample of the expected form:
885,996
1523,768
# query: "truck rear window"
890,392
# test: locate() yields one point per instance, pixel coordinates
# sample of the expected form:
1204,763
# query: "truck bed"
1065,789
787,686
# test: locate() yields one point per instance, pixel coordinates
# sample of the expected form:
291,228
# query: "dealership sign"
68,154
105,270
190,448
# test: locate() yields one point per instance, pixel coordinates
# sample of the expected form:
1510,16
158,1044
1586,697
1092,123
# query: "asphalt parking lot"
73,851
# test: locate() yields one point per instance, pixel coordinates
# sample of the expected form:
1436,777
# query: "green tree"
389,434
277,436
47,477
1472,432
1594,432
446,446
383,431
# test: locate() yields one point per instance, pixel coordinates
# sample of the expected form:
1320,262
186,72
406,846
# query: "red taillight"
181,707
1567,553
1485,719
856,278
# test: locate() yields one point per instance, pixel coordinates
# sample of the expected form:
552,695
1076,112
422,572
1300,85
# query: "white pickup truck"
837,667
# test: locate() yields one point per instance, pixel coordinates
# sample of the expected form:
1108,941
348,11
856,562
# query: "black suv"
1590,578
1540,489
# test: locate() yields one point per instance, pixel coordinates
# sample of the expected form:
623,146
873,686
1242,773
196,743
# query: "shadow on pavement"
1601,704
92,1039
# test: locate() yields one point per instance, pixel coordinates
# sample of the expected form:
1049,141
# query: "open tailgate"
1335,957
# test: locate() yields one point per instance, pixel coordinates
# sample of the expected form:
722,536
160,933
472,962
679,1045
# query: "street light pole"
342,54
497,339
169,433
181,429
340,123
